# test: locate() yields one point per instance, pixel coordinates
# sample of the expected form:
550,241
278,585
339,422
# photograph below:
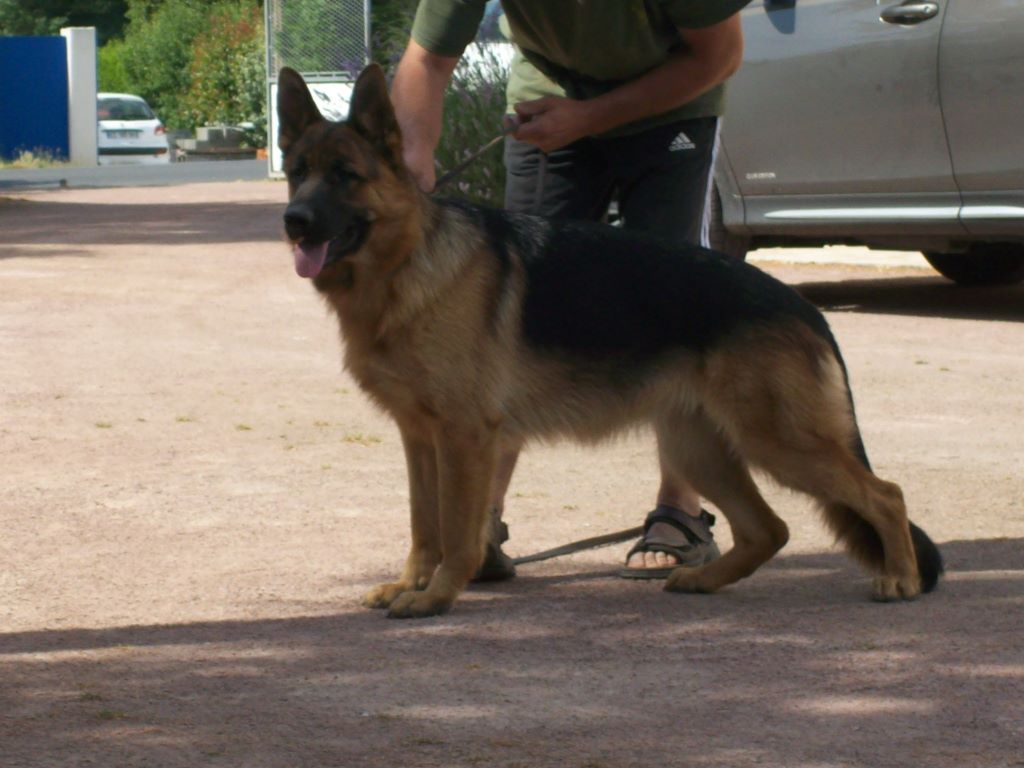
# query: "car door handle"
910,13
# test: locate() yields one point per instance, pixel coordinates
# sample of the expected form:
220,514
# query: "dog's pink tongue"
309,259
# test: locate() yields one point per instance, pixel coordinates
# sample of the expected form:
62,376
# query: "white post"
82,131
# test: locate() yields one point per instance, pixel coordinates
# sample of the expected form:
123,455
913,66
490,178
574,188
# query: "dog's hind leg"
781,396
695,450
863,541
866,513
465,465
797,423
425,552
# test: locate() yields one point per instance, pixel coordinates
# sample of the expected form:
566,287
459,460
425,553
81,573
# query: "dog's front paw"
886,589
418,605
688,579
384,595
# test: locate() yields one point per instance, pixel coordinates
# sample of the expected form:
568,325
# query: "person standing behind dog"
612,97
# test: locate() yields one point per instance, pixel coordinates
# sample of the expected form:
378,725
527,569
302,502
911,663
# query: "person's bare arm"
417,93
708,57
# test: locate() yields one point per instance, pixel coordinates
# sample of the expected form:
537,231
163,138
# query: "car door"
981,79
835,117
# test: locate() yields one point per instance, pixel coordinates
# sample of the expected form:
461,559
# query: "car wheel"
719,238
983,264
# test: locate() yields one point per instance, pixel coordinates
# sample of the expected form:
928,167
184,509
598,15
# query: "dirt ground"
195,496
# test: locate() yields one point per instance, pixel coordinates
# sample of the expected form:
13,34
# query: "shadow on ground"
918,296
68,225
784,670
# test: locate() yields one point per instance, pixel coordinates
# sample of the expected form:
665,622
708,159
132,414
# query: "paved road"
134,175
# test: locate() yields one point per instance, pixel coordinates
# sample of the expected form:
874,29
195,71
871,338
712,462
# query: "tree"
46,17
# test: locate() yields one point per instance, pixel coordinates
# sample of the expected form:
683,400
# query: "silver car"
893,125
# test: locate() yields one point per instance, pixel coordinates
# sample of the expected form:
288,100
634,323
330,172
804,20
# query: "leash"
578,546
464,164
509,128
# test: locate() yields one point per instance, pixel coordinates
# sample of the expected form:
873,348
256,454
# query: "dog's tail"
862,540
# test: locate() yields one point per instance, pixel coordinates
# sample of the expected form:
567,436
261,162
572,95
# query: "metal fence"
328,41
320,38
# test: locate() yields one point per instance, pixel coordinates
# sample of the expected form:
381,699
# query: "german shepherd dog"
478,330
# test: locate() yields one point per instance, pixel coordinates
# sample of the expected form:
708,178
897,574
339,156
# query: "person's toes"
651,560
666,560
654,559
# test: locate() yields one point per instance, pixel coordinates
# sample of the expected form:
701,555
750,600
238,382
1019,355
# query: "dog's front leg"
425,552
465,464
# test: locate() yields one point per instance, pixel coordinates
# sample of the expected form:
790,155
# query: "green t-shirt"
580,48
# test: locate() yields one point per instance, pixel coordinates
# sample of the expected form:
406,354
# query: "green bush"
390,23
196,63
474,105
228,73
111,71
157,54
473,109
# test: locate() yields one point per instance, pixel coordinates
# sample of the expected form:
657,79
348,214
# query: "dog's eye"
343,173
298,171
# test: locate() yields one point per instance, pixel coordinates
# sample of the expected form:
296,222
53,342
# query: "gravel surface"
195,496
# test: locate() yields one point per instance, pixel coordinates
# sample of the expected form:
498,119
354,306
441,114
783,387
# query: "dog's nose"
298,217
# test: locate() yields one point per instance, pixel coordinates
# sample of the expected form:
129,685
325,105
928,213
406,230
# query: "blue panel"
33,95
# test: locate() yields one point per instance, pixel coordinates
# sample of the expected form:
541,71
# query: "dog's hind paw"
418,605
886,589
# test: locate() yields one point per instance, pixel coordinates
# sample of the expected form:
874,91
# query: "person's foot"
672,539
497,566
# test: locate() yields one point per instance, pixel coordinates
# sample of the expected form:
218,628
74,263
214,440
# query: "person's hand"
552,122
420,162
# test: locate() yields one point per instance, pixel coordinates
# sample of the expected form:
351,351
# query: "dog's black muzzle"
299,221
303,224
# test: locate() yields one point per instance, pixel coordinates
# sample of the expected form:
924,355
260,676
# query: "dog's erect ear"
372,116
296,110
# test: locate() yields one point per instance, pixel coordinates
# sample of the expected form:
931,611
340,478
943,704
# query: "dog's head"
340,174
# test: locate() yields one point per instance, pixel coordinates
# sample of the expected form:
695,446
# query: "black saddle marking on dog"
597,290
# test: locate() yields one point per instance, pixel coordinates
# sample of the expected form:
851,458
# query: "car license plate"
123,134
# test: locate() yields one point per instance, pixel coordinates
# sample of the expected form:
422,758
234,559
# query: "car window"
123,109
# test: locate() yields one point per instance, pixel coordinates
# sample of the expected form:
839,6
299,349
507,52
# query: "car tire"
719,238
982,264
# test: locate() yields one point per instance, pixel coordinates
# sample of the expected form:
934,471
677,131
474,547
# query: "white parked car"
129,132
